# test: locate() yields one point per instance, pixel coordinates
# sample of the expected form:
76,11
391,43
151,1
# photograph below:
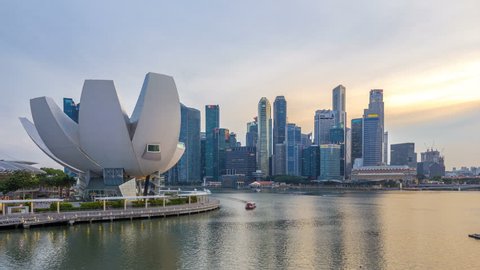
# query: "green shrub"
193,199
64,206
156,202
115,204
91,205
177,201
138,203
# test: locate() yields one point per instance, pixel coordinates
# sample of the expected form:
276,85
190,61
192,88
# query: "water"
390,230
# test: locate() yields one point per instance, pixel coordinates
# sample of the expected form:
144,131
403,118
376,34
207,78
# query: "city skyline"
430,85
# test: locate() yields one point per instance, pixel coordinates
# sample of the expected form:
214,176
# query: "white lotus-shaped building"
106,143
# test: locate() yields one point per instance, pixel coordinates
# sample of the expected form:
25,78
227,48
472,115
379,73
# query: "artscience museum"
111,152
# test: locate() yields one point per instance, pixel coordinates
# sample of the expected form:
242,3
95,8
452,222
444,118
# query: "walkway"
39,219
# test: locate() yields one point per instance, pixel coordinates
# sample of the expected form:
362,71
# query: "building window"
153,148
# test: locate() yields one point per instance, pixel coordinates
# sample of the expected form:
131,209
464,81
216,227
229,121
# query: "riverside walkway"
54,218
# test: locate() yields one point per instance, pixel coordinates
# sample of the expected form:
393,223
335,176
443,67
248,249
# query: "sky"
424,54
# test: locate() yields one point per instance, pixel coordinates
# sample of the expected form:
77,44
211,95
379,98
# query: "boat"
257,190
250,206
475,235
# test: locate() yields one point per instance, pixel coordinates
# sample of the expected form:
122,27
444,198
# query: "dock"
29,220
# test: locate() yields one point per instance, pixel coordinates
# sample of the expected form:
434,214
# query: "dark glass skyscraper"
188,169
357,141
71,109
241,160
212,122
372,140
279,120
403,154
311,162
221,139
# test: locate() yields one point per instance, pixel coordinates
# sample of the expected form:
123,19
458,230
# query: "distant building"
212,122
294,148
329,162
432,164
279,120
324,121
384,173
252,133
372,140
203,142
357,141
311,162
385,148
338,105
279,159
264,143
307,140
188,168
221,144
403,154
71,109
337,136
241,161
376,107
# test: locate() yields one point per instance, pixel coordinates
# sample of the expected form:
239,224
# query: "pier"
70,218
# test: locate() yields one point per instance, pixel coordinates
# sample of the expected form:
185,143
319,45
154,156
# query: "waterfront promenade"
65,218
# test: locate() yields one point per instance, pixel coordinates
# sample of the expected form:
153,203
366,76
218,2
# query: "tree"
56,178
19,180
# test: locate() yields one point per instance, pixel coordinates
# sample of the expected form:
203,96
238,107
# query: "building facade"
338,105
311,162
252,134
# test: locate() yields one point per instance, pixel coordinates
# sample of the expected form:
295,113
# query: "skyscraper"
212,122
203,144
279,120
372,140
403,154
241,160
264,143
294,148
385,148
221,137
188,168
338,105
376,106
252,133
324,121
279,159
357,141
329,165
311,162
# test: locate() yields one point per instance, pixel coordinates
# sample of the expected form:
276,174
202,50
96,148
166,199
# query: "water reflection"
335,231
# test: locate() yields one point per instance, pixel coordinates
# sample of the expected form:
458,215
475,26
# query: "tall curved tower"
264,143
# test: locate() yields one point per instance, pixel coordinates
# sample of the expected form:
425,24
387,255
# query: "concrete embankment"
42,219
